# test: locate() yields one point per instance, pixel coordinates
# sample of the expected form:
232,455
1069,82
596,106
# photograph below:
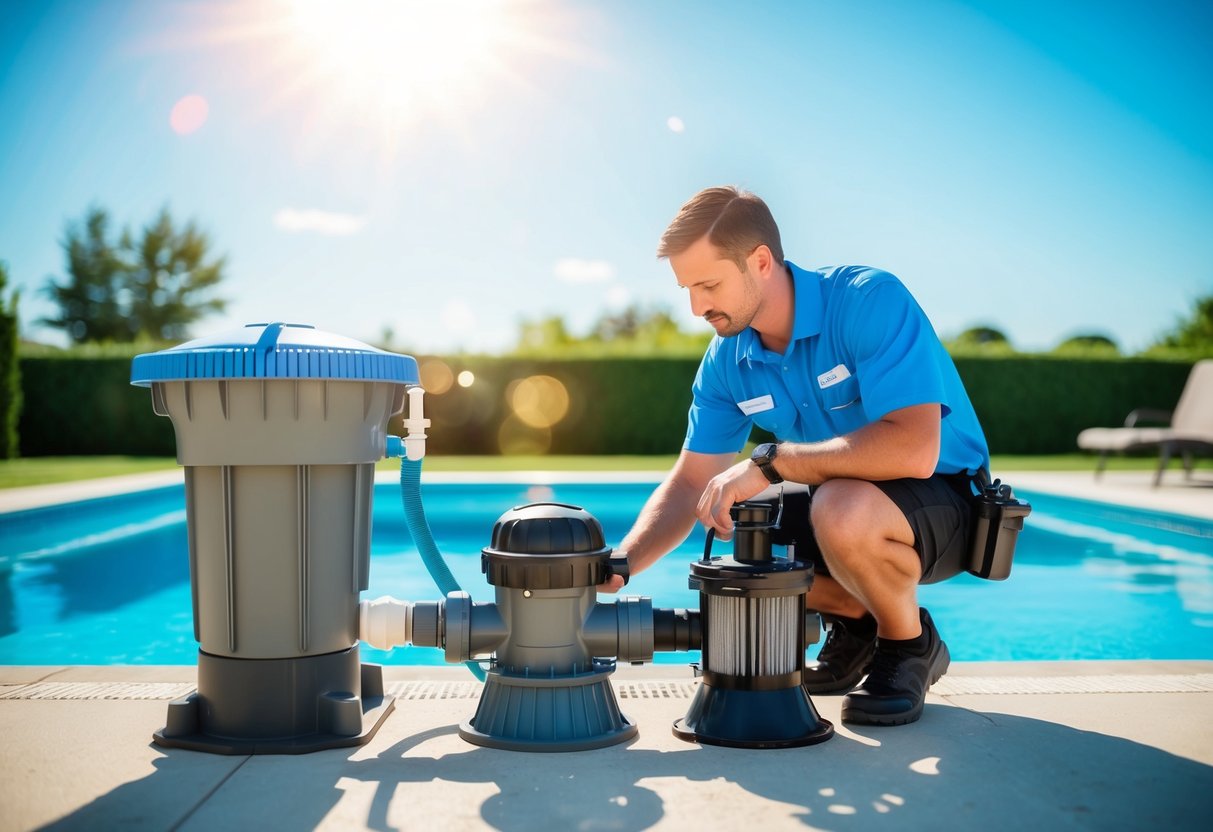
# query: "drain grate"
99,690
655,690
422,690
1160,683
434,690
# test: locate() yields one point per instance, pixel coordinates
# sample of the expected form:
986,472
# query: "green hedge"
82,406
1027,404
1038,404
10,382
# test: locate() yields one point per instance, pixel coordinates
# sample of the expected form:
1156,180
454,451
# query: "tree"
169,279
981,339
122,290
548,333
89,302
632,331
10,372
1193,334
1087,344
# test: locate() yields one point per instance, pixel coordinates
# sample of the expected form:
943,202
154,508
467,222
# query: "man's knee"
851,517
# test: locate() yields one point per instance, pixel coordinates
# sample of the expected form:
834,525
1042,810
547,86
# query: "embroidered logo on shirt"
751,406
831,377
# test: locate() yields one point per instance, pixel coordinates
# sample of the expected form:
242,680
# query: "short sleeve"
896,351
715,424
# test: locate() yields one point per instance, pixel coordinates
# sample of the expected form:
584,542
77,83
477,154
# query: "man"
844,368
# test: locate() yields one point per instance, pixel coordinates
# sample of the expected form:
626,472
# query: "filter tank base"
783,718
278,706
552,713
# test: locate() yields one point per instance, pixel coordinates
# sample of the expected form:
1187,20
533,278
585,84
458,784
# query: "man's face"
725,296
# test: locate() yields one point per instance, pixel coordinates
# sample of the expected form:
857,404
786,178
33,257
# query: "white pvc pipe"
415,425
385,622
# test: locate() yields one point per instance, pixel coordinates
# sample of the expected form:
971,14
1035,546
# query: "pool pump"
279,427
550,646
755,630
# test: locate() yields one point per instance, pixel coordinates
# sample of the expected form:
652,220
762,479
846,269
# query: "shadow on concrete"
954,769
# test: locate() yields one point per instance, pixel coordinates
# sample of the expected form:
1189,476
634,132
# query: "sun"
384,68
407,57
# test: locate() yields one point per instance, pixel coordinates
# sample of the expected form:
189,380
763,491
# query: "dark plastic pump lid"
546,546
275,350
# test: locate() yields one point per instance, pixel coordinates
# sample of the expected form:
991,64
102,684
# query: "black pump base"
278,706
575,712
783,718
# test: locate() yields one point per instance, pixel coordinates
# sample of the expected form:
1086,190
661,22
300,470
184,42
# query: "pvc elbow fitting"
385,622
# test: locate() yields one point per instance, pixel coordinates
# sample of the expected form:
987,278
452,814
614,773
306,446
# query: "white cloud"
574,270
328,223
675,124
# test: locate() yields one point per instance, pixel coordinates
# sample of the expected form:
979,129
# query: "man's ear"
762,261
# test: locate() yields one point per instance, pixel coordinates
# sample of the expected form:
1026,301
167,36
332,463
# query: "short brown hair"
735,221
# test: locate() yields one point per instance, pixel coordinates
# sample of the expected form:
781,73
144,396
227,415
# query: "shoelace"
884,667
834,643
839,643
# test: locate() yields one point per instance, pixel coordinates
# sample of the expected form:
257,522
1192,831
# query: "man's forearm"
664,522
904,444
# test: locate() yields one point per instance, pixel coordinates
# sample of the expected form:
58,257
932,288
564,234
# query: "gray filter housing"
547,691
279,427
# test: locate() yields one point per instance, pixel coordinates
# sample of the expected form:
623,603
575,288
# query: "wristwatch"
764,458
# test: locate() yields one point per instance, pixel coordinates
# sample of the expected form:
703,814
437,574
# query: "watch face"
764,453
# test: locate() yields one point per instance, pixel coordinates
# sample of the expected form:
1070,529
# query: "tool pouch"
997,521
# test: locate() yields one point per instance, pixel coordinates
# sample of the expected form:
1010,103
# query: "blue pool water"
107,581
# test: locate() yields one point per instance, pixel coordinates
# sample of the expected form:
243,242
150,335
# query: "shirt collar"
806,321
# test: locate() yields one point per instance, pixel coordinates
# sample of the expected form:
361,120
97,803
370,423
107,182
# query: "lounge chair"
1188,430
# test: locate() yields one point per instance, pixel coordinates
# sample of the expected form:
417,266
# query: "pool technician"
843,367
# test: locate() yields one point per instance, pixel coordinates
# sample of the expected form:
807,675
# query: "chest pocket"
842,405
779,419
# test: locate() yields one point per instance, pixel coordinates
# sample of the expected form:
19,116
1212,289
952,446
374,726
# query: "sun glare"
385,67
405,56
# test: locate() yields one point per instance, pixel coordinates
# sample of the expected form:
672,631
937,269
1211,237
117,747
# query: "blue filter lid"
275,350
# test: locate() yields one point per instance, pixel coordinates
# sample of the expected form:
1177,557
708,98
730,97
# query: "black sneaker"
844,657
897,682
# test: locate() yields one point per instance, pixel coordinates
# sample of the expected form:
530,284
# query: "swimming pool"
107,581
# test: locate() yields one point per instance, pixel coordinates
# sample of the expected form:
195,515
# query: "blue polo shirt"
861,348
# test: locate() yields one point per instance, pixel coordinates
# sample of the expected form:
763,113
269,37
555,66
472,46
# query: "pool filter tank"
755,630
279,427
550,646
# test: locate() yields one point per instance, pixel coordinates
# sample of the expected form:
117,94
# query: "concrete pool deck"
1064,745
1001,745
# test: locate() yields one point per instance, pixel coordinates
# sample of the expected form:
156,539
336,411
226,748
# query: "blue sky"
1046,168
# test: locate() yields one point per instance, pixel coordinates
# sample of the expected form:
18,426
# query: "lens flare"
436,376
538,401
188,114
516,438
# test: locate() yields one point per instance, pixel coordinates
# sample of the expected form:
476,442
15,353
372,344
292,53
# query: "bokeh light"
540,494
538,401
466,378
515,437
189,114
436,376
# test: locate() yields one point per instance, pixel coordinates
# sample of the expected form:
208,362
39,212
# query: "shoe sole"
858,717
836,687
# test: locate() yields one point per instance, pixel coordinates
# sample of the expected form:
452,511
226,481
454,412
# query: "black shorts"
938,510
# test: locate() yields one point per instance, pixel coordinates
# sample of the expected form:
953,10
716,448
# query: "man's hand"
740,482
612,584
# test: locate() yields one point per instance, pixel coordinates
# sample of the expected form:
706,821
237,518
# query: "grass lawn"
18,473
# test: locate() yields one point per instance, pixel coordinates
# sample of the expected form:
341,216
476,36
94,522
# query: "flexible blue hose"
419,529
